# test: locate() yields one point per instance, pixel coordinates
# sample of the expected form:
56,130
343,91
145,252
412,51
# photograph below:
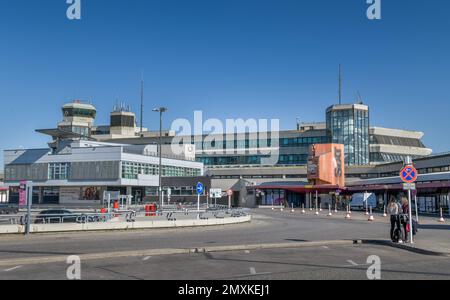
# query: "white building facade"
80,171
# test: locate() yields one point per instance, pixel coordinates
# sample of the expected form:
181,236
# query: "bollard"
385,212
336,209
371,218
348,216
293,207
303,209
442,220
329,210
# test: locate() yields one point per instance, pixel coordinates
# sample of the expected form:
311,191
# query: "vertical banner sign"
23,193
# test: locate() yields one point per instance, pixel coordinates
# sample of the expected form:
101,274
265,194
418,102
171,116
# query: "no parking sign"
409,174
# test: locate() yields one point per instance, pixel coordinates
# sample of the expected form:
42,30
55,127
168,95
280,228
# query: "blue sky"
228,58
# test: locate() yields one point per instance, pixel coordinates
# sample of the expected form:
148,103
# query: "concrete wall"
47,228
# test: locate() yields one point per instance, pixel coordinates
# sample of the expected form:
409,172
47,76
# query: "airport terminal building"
128,156
77,169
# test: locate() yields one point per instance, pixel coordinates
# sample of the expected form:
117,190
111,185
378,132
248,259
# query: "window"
131,170
58,171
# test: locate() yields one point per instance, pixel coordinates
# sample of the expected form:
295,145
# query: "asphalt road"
319,262
266,227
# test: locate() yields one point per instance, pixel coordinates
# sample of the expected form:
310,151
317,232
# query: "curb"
274,246
404,247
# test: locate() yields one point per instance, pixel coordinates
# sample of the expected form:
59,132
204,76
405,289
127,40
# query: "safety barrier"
153,224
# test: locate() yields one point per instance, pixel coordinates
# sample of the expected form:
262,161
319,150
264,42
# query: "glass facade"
349,125
252,144
131,170
251,159
284,159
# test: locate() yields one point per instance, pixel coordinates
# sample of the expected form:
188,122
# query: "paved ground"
324,262
328,262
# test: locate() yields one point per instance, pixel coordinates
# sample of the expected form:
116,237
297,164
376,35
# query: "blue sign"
200,188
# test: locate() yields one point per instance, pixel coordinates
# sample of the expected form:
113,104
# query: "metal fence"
169,212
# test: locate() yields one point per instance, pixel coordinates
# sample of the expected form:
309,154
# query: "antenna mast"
142,104
340,84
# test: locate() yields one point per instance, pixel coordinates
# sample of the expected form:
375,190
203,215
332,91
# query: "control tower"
78,118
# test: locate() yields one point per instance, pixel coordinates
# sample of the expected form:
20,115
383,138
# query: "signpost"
215,194
169,194
230,194
200,190
29,202
409,176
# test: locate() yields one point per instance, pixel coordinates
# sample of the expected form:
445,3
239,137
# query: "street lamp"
160,110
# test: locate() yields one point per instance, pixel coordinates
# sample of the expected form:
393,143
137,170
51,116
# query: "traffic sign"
216,193
409,174
200,188
409,186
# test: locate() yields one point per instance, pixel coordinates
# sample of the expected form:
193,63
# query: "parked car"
53,216
6,209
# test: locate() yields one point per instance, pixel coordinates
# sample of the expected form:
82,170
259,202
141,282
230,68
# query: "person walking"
393,210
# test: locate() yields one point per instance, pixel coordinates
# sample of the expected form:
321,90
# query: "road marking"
252,271
247,252
146,258
352,262
325,247
12,269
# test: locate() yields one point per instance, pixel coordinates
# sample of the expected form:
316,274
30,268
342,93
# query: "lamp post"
160,110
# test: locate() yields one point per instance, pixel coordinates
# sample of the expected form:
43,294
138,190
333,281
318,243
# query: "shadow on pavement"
438,227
